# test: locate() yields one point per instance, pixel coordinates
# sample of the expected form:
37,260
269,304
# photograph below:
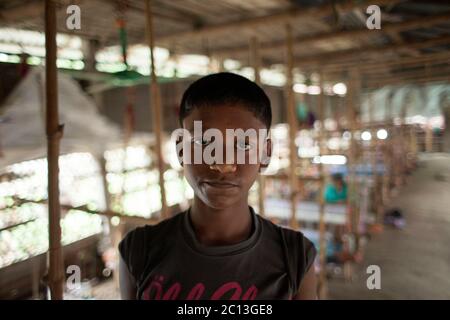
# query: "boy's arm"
127,283
308,287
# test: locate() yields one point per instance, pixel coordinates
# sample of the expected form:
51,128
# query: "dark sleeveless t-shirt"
167,262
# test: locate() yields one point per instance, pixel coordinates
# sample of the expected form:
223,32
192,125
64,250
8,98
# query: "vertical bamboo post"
404,155
413,140
35,280
386,153
352,152
351,165
54,133
155,106
104,172
374,162
115,232
255,59
390,147
428,138
322,225
292,125
354,194
404,143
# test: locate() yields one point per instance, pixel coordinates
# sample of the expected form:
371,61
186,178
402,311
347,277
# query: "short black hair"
226,88
337,177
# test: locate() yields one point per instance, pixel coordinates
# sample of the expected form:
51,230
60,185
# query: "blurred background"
361,109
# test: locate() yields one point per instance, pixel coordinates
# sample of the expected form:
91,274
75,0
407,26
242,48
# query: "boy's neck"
215,227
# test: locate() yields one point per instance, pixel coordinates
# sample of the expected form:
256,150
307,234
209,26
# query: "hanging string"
121,7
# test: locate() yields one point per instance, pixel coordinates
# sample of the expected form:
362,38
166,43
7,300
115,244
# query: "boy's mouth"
220,184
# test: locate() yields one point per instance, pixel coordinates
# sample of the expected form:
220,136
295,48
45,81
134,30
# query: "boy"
219,248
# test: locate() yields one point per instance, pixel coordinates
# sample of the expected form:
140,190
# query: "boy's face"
218,185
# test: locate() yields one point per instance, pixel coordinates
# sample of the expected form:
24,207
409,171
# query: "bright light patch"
330,159
419,120
300,88
382,134
366,136
347,135
340,88
273,77
115,221
314,90
280,131
230,64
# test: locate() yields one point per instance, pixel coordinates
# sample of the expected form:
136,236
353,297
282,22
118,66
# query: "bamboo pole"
104,172
364,65
254,58
106,213
322,224
156,108
351,151
387,154
115,231
364,52
35,279
428,71
413,141
419,80
292,126
311,40
356,106
375,175
428,138
351,224
54,133
285,17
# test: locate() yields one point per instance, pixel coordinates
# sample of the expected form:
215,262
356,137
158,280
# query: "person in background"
336,192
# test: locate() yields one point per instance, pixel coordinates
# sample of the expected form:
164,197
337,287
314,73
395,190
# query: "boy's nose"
224,168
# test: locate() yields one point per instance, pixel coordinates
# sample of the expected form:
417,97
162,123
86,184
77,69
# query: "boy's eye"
242,145
201,141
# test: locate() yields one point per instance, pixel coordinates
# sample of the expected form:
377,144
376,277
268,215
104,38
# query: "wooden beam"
322,224
28,10
54,133
378,199
155,105
132,7
306,41
254,56
287,16
292,120
91,48
438,70
367,66
108,213
351,123
408,80
362,53
428,139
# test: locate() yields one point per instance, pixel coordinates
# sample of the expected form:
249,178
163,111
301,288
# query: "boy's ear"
179,148
267,154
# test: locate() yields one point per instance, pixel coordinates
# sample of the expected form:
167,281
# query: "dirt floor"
415,261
